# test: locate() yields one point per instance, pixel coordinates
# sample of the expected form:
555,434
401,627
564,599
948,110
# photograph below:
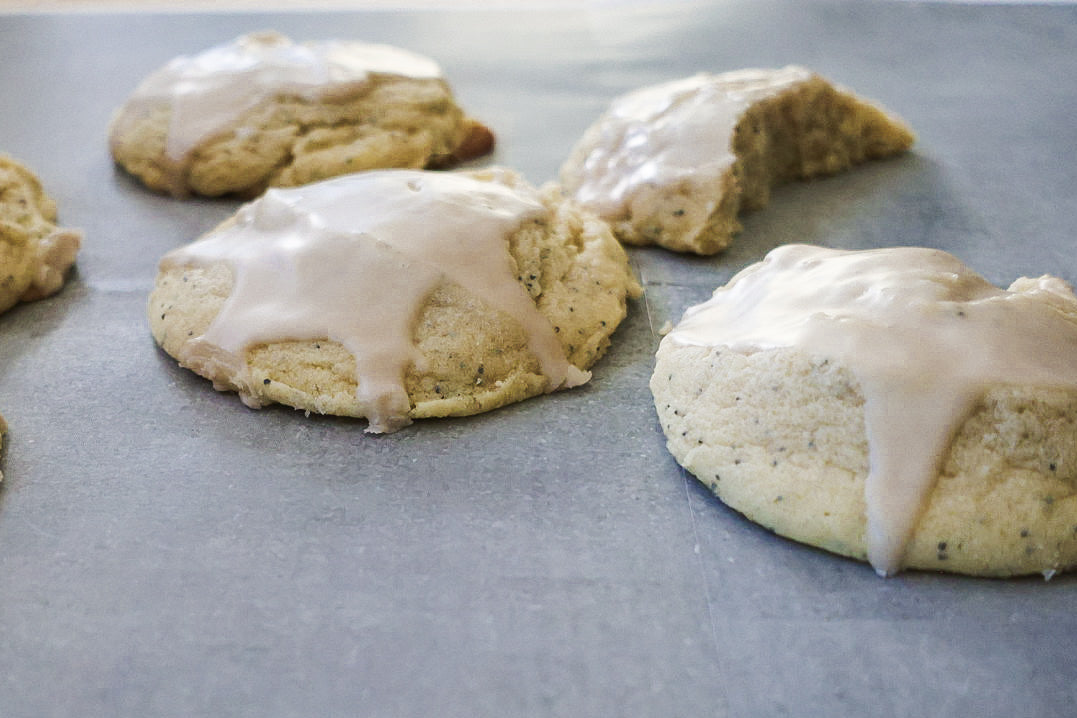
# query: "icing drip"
925,336
353,259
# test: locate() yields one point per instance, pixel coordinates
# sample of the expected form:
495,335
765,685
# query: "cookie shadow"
912,200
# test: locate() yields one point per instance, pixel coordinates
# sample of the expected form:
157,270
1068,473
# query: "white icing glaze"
670,132
353,259
208,91
924,334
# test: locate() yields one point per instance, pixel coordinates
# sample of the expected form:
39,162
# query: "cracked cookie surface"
35,254
263,111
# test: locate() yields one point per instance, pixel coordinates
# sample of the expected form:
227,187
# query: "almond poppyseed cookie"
35,254
264,111
674,164
889,405
396,295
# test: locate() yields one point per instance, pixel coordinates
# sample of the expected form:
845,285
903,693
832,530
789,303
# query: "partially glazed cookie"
674,164
888,405
395,295
264,111
35,254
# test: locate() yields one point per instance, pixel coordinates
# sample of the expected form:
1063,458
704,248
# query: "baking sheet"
165,551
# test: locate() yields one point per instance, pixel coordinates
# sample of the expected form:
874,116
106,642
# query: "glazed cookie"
265,111
35,254
674,164
395,295
889,405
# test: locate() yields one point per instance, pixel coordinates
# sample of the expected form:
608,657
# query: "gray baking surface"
165,551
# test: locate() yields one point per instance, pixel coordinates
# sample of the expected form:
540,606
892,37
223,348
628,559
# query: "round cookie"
891,406
675,163
395,295
265,111
35,254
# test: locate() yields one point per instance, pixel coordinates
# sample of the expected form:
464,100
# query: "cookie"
396,295
888,405
674,164
264,111
35,254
